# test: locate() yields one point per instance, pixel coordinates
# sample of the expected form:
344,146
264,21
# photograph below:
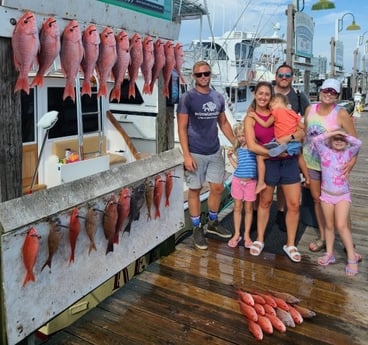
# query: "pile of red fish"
111,55
272,310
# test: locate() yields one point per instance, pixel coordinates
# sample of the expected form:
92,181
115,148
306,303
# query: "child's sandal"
351,272
326,259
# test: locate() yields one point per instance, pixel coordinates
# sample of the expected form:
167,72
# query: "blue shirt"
246,164
203,111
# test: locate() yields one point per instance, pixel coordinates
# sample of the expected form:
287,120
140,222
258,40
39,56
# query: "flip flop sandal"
317,245
293,253
256,248
234,243
326,259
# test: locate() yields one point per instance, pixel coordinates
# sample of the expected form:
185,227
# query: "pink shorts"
243,190
334,199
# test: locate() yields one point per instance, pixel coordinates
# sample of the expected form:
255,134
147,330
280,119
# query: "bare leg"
329,216
315,189
261,170
292,197
248,221
194,203
214,198
237,215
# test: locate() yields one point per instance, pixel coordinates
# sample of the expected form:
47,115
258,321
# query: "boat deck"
189,297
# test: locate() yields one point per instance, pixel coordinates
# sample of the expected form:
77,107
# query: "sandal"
326,259
256,248
234,243
293,253
351,272
248,244
317,245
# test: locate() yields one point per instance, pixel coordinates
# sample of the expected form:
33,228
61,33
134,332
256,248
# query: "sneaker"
213,227
198,237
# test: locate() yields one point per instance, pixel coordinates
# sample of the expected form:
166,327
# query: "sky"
260,15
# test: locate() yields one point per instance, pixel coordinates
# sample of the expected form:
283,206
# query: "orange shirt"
286,121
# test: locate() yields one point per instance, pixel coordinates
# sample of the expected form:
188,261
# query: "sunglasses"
200,74
331,91
284,75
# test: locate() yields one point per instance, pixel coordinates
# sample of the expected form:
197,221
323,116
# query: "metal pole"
332,63
290,35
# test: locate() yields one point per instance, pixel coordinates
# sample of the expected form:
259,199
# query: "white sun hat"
331,84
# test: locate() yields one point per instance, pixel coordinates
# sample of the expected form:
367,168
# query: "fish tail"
38,80
69,92
110,247
86,88
102,91
166,91
71,259
47,263
152,85
116,237
22,84
157,213
29,277
115,94
167,202
131,90
182,80
92,246
147,89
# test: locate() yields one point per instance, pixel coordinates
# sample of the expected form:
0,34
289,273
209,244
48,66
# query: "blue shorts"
293,148
282,171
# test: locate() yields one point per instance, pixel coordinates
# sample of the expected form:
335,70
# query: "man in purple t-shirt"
200,112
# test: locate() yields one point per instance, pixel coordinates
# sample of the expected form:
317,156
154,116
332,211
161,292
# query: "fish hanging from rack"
91,223
106,59
120,67
169,66
53,241
26,44
159,61
91,44
30,250
149,197
148,61
179,60
71,55
110,218
49,49
136,58
157,194
123,207
74,230
137,200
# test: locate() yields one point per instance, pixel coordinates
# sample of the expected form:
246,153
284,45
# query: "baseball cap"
331,84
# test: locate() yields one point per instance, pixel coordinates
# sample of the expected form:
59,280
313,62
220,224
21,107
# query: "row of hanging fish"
117,217
112,56
272,310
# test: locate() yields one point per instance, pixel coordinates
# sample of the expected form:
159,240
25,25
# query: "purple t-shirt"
203,111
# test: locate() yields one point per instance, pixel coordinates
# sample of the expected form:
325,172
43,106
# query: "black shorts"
282,171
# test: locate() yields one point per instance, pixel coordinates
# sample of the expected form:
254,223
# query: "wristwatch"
292,137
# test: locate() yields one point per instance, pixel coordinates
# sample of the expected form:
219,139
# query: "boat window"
212,51
238,94
124,92
28,117
240,53
67,124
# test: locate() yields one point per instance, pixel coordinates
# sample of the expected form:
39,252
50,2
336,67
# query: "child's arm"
261,122
231,159
355,144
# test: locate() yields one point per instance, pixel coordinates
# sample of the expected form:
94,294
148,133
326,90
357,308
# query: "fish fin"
38,80
29,277
102,91
110,247
131,90
116,237
147,89
86,88
69,92
182,80
22,84
152,85
91,247
71,259
157,214
167,202
115,94
47,263
166,92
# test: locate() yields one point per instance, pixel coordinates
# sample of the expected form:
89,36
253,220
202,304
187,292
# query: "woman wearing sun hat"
321,117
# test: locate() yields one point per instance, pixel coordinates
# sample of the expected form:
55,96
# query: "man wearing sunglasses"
200,112
299,102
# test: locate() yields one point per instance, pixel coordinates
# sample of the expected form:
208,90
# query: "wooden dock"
189,297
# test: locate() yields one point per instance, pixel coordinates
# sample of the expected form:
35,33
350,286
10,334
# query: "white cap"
331,84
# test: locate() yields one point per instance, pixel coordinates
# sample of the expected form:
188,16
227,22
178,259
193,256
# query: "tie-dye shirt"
333,162
317,124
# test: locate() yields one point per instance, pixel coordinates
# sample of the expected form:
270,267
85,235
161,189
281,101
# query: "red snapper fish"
157,195
91,45
120,68
26,44
169,66
123,211
179,60
30,249
71,55
74,230
50,49
92,218
106,59
159,61
255,329
110,218
136,58
149,197
148,61
168,187
53,241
